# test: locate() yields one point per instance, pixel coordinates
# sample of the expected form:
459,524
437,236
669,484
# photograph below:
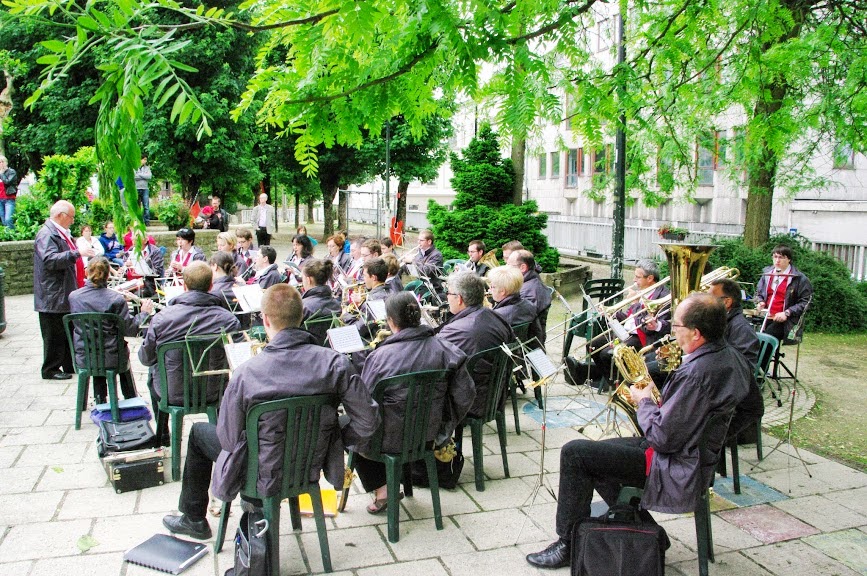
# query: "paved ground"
59,515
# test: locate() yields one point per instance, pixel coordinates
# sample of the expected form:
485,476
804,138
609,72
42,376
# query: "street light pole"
619,228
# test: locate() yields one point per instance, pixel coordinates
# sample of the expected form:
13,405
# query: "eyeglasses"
673,325
452,294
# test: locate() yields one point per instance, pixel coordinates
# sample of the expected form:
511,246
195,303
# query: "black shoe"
554,556
59,376
200,530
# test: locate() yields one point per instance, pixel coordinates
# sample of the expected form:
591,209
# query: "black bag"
252,555
448,473
124,436
619,543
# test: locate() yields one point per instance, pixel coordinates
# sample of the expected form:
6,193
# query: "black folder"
166,553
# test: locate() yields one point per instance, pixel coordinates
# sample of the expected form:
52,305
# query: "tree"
339,166
483,208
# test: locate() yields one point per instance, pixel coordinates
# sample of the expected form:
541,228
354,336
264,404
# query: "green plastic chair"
418,288
302,424
319,325
96,328
419,388
703,528
448,265
600,289
195,351
499,380
767,350
520,331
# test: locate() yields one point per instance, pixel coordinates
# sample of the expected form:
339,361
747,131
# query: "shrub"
172,211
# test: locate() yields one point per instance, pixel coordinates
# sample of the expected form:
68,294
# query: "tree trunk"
5,107
310,211
329,189
519,148
343,210
400,213
297,210
190,187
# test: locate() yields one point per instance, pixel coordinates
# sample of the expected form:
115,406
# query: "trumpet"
406,256
134,298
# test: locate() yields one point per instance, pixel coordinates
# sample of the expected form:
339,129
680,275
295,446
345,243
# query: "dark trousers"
601,465
603,353
262,237
55,348
162,418
776,329
127,387
203,448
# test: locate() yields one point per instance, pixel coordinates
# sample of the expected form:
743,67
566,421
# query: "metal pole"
619,228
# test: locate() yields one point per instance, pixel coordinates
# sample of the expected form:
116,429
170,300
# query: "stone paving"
59,514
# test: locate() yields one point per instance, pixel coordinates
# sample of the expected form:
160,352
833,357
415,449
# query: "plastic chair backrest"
318,325
712,438
767,350
96,328
301,421
498,380
195,354
419,387
521,331
601,289
448,265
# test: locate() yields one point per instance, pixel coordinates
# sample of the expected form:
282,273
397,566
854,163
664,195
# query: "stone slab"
822,513
28,508
500,528
752,493
351,548
768,524
82,565
431,567
43,540
846,546
420,539
797,558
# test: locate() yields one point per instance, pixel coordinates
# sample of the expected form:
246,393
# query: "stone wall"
16,258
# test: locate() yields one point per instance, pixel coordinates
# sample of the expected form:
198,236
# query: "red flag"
195,209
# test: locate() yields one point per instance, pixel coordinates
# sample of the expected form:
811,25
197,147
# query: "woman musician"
506,282
412,348
96,297
317,300
224,268
266,270
302,250
187,252
227,242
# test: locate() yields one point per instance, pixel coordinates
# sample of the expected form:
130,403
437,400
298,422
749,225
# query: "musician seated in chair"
195,312
428,261
475,251
643,328
223,268
784,292
506,282
266,270
317,300
292,364
375,272
412,348
533,290
713,378
393,280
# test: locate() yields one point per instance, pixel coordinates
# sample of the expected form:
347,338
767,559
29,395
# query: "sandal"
378,506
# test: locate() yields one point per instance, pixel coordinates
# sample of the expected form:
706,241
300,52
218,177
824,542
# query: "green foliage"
839,303
68,177
96,214
31,212
482,176
172,211
454,229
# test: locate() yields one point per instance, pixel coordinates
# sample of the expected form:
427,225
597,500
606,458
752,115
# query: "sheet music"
238,352
377,309
413,270
345,339
249,297
172,292
142,267
541,363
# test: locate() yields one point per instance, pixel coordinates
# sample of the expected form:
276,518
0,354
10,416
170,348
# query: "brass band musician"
784,292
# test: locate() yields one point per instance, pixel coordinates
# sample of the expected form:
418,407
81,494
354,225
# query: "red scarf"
79,264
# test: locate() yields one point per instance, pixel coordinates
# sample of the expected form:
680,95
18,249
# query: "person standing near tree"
8,192
142,180
58,269
265,220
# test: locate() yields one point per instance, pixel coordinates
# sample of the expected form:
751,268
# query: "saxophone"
634,371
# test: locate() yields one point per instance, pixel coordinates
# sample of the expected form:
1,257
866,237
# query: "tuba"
490,258
634,370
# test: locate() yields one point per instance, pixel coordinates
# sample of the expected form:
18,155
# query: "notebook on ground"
166,553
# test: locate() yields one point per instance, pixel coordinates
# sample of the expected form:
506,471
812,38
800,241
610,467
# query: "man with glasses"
57,270
784,291
712,379
475,251
428,261
643,328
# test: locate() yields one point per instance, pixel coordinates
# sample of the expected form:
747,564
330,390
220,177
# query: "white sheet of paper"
249,297
172,292
377,309
237,353
345,339
541,363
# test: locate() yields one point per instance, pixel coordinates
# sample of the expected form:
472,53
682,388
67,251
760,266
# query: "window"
583,163
555,164
722,149
543,165
600,163
605,35
706,158
844,157
572,168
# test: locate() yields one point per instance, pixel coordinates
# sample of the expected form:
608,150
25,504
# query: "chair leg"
271,508
513,391
222,526
721,464
759,454
501,431
319,516
537,392
478,456
736,475
407,479
434,482
177,419
702,534
295,512
111,384
81,397
392,468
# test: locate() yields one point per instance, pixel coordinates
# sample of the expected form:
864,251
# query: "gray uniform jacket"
205,314
741,336
714,378
515,310
271,218
222,289
430,264
270,277
797,296
415,350
93,299
53,270
473,330
292,364
539,295
318,302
